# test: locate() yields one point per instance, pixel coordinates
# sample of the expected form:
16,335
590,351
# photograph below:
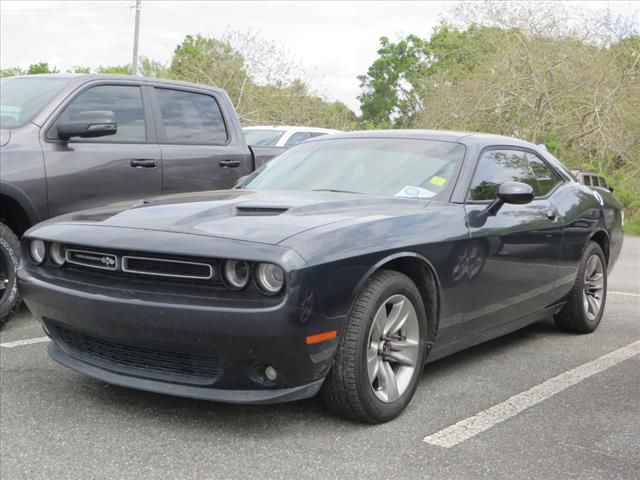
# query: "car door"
198,152
86,173
516,253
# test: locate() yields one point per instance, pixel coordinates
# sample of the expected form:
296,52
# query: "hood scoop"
259,211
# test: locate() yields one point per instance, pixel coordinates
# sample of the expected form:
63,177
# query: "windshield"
376,166
264,138
21,98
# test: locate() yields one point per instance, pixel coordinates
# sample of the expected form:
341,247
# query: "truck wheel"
585,303
381,353
9,259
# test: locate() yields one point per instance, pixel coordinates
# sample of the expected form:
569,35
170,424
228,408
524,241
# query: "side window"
545,178
499,166
603,182
191,118
297,138
586,179
123,100
317,134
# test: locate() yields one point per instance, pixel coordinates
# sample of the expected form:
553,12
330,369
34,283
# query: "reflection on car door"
518,250
86,173
197,151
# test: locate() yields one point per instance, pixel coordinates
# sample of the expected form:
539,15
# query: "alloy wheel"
394,344
593,286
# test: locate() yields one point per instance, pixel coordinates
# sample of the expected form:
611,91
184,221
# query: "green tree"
114,69
151,68
389,97
12,72
79,70
259,79
393,88
42,67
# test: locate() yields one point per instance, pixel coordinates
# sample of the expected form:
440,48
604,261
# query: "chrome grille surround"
92,259
126,259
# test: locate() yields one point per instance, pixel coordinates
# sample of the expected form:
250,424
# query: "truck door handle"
143,163
229,163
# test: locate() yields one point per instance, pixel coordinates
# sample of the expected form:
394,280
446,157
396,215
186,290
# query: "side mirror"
516,193
90,124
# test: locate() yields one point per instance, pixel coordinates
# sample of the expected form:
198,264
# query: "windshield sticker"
438,181
415,192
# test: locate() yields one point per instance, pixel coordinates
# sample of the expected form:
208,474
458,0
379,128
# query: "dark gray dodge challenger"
342,267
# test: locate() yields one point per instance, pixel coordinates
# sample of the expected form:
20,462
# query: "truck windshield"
262,138
21,98
398,167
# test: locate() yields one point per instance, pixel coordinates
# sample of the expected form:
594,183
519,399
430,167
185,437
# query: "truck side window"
123,100
191,118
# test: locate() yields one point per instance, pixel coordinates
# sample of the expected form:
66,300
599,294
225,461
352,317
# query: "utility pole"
136,34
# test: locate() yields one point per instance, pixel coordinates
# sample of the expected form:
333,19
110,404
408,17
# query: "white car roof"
292,128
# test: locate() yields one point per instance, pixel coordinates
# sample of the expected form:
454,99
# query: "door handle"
550,213
229,163
143,163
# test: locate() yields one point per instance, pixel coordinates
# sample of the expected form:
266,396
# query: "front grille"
167,268
87,258
132,264
143,361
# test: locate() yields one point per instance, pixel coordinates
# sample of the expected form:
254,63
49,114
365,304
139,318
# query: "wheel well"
425,279
13,215
602,239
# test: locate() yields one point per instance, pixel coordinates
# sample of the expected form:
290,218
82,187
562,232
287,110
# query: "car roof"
291,127
442,135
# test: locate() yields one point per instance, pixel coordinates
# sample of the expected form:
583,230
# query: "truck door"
198,151
86,173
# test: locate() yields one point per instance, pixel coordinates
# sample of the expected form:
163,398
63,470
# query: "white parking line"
484,420
628,294
28,341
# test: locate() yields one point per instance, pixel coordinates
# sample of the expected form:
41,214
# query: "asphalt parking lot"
584,423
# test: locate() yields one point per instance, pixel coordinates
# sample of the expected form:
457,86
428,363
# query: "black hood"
264,216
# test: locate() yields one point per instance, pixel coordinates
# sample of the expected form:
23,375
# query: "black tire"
9,259
347,390
574,317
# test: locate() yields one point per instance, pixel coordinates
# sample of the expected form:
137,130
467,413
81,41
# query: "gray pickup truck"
71,142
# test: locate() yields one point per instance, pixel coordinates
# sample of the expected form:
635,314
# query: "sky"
332,41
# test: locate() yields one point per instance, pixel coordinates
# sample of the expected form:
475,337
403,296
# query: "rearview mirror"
90,124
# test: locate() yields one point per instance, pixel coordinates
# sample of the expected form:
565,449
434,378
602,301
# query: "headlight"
236,274
57,254
269,278
38,250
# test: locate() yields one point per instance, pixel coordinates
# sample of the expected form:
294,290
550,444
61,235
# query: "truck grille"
144,361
